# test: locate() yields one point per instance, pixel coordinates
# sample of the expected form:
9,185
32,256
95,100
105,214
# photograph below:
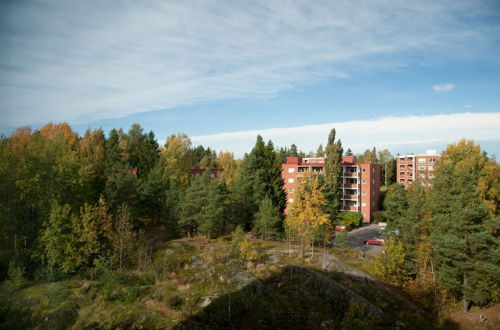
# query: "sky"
403,75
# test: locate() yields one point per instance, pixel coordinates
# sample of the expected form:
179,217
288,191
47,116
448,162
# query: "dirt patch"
472,320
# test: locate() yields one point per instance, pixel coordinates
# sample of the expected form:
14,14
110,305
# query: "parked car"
340,227
375,241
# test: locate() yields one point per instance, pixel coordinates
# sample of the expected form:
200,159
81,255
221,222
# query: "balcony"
349,186
350,208
350,197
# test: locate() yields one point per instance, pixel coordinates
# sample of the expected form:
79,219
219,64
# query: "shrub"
351,219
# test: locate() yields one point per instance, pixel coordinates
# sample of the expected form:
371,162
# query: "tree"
55,238
392,265
123,236
320,152
349,152
293,152
193,203
333,175
228,165
214,216
259,177
307,214
387,164
395,203
178,158
267,219
466,250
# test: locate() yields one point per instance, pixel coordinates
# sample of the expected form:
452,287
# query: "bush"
351,219
175,302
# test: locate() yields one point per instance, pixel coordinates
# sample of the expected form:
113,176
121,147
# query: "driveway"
356,238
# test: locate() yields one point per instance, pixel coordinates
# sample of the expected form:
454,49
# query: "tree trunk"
466,301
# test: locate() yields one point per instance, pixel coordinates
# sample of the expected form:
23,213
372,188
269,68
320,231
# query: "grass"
182,275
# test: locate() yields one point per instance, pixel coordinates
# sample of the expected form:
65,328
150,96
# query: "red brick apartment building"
360,182
411,168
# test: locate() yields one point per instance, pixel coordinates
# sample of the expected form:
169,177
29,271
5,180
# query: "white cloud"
443,87
398,134
89,60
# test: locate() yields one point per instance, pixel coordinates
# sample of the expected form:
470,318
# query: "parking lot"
357,237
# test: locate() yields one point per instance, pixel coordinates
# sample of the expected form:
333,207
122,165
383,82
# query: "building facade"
412,168
360,182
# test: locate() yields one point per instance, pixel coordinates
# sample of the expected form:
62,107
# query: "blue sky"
225,71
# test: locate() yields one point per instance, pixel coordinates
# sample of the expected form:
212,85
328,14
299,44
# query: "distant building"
360,182
215,172
411,168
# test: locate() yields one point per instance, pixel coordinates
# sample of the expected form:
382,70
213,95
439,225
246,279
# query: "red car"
375,241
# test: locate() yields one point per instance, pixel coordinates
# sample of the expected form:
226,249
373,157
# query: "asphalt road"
356,238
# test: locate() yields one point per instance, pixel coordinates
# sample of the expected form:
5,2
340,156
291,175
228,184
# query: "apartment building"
360,182
411,168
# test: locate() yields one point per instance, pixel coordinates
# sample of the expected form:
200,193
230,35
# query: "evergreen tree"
214,216
193,203
333,175
349,152
466,252
320,152
267,219
395,204
293,152
259,177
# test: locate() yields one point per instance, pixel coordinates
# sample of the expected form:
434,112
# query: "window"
290,189
373,170
351,192
290,200
373,181
291,170
421,160
364,181
431,176
421,168
351,181
432,160
401,180
350,203
364,170
364,193
401,173
363,204
421,175
290,180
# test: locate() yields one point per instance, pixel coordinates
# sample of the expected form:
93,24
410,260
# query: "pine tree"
259,177
320,152
466,252
333,175
193,203
267,219
214,215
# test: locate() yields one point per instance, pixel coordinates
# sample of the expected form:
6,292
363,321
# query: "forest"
80,206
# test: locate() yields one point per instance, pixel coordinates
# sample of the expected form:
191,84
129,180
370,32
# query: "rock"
401,325
260,267
206,301
482,318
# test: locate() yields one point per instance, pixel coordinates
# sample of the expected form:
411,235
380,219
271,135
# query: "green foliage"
466,251
267,220
391,265
259,177
333,175
17,275
350,219
356,317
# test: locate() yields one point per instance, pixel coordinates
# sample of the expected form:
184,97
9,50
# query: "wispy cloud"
89,60
443,87
398,134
